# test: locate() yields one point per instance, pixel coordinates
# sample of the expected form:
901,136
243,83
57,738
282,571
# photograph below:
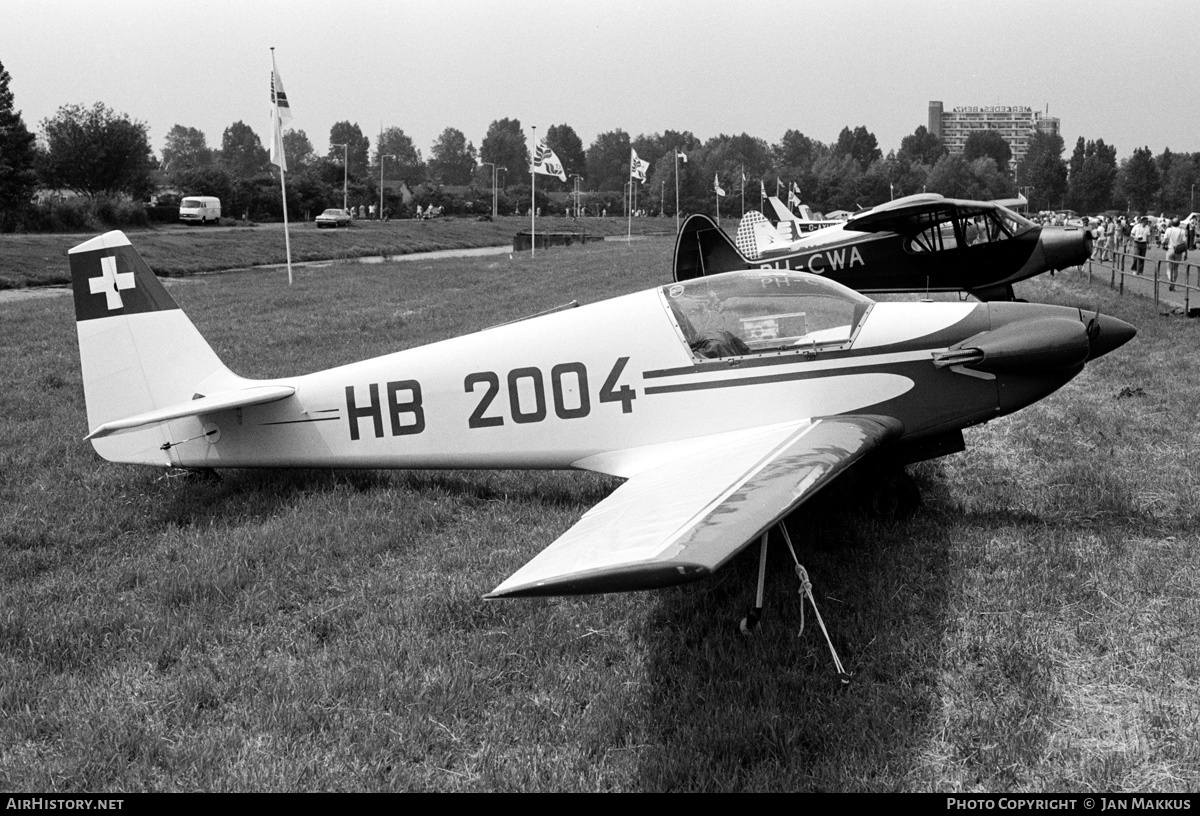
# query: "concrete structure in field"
1015,123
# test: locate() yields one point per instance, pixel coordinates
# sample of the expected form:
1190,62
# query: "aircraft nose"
1106,333
1064,247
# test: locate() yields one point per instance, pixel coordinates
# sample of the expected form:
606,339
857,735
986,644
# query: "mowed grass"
1032,628
39,260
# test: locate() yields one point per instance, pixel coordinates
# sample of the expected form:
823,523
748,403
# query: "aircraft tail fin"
702,248
138,351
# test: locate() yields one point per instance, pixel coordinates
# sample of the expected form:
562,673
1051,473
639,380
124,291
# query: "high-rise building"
1015,123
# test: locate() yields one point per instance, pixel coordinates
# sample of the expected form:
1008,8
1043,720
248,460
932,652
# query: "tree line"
106,158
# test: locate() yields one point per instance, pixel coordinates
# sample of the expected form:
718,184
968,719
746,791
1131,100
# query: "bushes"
80,215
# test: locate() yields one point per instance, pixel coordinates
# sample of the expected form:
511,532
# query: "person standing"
1141,239
1175,241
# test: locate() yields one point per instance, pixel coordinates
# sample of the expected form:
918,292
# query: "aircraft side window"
936,237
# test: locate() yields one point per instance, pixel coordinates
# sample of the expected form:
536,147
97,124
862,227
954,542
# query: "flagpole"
287,238
628,202
676,191
533,199
629,211
743,191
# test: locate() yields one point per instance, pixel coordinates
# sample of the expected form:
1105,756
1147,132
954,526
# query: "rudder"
138,351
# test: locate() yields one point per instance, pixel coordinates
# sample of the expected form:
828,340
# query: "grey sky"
1117,71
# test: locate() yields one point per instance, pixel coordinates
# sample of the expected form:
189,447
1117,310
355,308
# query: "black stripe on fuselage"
899,368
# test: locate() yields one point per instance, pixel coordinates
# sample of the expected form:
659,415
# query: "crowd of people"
1114,238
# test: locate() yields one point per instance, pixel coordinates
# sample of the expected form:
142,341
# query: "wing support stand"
750,622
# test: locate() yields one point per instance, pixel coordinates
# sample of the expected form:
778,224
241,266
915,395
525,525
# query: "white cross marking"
110,282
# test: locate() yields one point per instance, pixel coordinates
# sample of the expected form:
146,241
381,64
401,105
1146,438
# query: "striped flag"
637,167
546,163
281,112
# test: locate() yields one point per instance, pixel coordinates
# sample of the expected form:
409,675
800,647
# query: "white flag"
717,185
546,163
762,189
281,112
637,167
682,155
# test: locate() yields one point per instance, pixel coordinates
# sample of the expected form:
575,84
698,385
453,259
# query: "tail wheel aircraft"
724,401
915,244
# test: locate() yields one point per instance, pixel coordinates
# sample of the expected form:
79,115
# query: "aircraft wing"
238,398
684,519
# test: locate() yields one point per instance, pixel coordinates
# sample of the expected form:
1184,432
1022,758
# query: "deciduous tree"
505,145
408,164
242,153
567,145
1044,171
1139,180
345,133
452,158
608,161
989,144
95,151
860,144
186,148
921,147
298,149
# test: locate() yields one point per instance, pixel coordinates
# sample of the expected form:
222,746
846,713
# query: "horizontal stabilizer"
239,398
683,520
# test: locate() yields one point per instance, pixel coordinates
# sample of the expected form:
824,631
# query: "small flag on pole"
717,185
546,163
682,155
762,188
281,112
637,167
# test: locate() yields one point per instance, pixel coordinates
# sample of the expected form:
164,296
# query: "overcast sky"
1123,72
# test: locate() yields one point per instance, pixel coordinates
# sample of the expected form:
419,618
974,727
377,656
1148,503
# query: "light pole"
345,174
493,166
578,178
383,156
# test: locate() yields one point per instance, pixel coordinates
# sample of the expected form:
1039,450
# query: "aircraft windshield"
755,312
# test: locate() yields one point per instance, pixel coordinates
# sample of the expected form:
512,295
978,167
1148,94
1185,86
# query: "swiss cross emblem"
111,282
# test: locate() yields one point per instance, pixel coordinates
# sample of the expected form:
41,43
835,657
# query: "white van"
200,209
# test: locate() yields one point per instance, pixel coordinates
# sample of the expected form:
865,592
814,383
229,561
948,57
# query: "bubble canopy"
764,311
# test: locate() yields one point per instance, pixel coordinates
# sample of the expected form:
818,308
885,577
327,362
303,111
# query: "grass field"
1032,628
38,260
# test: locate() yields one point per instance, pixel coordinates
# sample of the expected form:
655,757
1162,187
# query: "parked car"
333,218
200,209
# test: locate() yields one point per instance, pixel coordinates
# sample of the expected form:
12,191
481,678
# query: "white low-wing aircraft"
725,401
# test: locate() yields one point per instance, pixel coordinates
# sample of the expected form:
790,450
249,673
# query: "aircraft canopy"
759,311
